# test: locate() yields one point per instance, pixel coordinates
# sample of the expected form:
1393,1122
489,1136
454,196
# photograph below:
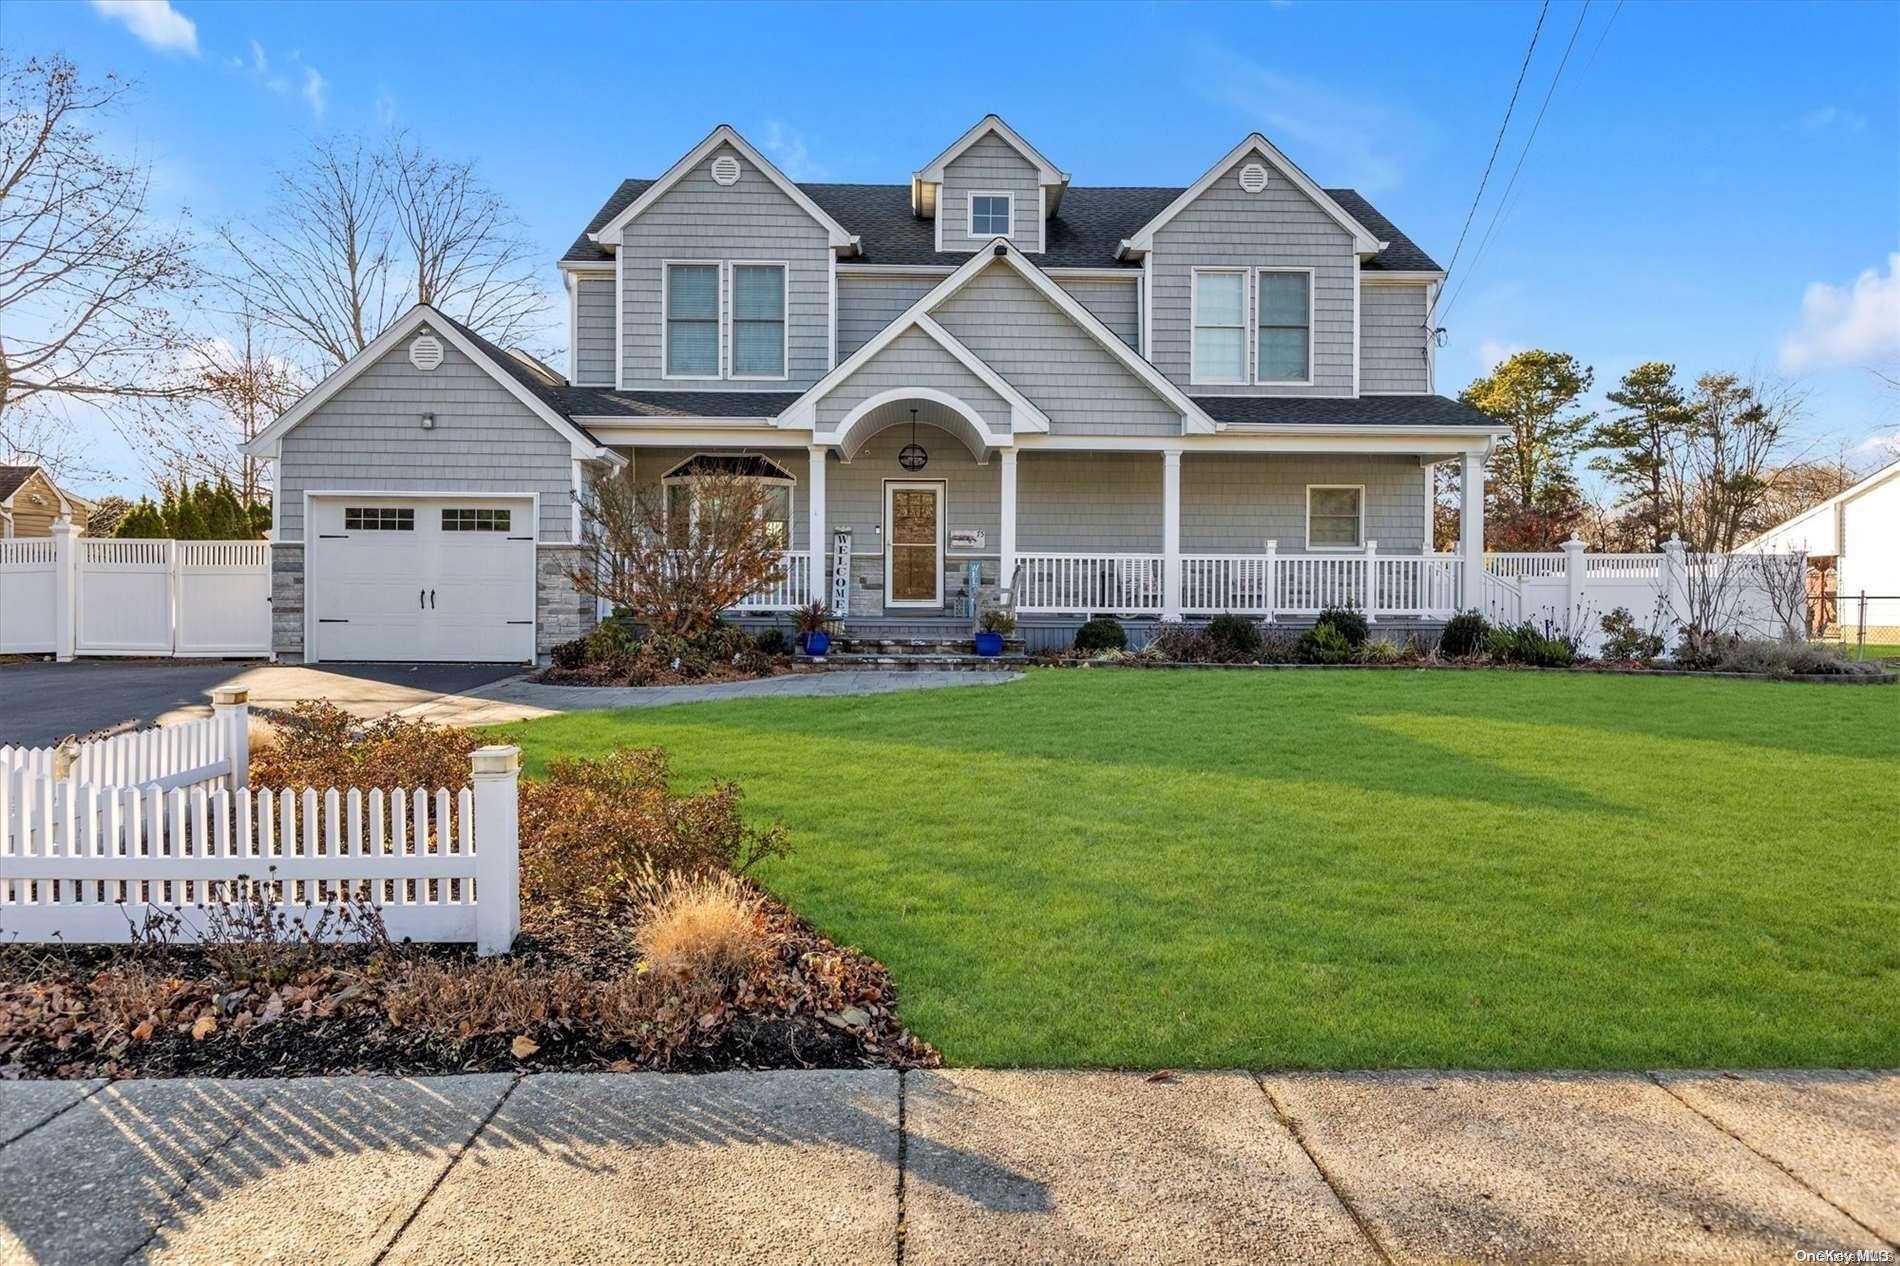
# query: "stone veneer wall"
286,601
561,613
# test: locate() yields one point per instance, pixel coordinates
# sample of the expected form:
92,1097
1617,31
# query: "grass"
1338,869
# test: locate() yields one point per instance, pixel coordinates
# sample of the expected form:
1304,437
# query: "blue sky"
1714,185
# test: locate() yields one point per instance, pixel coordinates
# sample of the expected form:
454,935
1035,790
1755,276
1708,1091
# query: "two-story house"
1160,403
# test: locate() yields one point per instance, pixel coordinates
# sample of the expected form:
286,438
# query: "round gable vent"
1253,177
425,353
725,170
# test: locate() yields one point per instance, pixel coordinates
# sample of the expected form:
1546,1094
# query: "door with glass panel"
913,544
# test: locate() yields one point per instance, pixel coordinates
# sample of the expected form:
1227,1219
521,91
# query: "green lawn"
1339,869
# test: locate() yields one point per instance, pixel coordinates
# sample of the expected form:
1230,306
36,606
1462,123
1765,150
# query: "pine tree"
1532,497
1654,419
141,522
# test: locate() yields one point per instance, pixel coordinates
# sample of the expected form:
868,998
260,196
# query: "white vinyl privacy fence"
67,595
101,842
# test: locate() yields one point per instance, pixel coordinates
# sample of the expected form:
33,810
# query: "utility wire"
1495,146
1497,212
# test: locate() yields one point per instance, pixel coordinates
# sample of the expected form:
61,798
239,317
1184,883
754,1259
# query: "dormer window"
990,214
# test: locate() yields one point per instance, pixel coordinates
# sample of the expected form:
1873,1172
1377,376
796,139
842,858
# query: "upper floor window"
758,320
1220,326
692,320
1284,328
989,214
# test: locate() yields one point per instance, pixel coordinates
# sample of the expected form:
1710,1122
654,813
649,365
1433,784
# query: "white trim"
1042,218
969,214
719,319
1413,441
785,318
1046,172
1397,277
1148,308
612,233
942,489
1062,272
1853,492
265,442
573,328
831,330
1355,335
1364,241
840,436
587,268
1253,322
620,308
1357,546
1194,324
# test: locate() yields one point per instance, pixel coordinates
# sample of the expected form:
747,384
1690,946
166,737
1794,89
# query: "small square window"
1335,517
379,519
989,215
464,520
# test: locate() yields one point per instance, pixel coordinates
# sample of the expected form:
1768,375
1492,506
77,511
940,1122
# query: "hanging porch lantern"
912,456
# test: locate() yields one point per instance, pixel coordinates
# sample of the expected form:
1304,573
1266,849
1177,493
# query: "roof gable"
1365,242
1853,492
610,233
992,125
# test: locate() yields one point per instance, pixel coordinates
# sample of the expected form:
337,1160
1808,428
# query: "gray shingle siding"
594,331
854,491
868,303
369,437
1392,339
1117,304
1279,227
913,359
753,220
1044,354
991,165
1234,503
1093,502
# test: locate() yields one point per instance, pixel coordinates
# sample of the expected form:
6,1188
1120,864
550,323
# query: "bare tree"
676,564
361,231
1718,474
85,277
245,380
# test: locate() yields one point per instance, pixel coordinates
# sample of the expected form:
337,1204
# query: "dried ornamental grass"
708,928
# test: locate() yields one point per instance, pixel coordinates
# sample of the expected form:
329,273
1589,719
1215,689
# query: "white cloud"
788,151
155,23
1880,444
385,108
1843,326
1348,138
315,91
1833,117
1491,352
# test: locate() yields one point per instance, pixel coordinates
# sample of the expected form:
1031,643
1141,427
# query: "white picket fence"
101,842
67,595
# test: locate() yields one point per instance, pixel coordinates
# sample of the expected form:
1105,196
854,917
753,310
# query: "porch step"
918,661
957,644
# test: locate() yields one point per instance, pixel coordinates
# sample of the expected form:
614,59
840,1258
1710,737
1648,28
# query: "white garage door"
422,579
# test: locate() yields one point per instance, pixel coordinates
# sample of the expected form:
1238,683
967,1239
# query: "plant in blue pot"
995,624
812,621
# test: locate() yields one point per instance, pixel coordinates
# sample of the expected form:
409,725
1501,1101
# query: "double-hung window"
1220,326
1284,327
692,320
758,320
989,214
1335,516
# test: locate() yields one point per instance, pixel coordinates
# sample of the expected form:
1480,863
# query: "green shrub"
1103,633
1529,645
997,620
569,654
1350,623
1323,644
1231,639
773,641
1623,639
611,643
1465,635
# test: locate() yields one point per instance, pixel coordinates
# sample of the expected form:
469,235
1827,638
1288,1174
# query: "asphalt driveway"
41,703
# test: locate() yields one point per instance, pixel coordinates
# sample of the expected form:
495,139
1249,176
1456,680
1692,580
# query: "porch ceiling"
929,412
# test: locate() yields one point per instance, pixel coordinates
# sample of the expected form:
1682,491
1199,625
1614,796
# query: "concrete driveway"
41,703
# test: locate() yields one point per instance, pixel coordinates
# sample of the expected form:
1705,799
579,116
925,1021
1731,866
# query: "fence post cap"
229,696
1574,545
495,762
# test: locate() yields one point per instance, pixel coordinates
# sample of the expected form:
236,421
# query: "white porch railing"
1081,584
792,589
1270,584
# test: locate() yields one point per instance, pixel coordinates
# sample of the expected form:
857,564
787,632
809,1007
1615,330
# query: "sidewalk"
952,1167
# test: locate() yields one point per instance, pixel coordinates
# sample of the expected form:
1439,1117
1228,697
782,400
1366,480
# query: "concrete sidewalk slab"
1548,1167
1004,1167
96,1184
645,1167
1838,1132
326,1169
27,1105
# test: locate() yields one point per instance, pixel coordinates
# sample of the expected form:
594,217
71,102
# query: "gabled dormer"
990,183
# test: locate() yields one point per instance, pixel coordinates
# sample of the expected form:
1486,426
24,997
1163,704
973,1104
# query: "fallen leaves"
523,1047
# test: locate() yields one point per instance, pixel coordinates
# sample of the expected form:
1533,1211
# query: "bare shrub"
323,746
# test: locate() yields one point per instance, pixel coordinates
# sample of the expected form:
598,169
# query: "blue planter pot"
989,643
817,643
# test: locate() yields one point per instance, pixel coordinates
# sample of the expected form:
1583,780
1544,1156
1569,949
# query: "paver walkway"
518,699
956,1166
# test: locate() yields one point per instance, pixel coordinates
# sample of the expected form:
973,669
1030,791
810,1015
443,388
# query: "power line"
1495,146
1497,212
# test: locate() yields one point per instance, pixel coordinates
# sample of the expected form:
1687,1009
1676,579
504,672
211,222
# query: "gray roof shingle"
606,402
1420,410
11,477
1085,232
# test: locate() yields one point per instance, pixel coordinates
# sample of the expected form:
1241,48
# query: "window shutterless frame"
1009,214
731,319
1254,328
666,322
1359,528
1196,375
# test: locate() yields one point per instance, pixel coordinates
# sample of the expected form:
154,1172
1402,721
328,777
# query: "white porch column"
1372,582
1171,534
1006,546
65,589
815,489
1471,530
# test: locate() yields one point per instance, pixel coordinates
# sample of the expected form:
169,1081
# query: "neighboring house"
1852,541
1159,402
30,502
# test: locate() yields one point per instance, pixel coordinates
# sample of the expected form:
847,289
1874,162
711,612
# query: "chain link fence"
1863,625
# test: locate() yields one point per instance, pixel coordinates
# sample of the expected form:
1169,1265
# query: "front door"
913,544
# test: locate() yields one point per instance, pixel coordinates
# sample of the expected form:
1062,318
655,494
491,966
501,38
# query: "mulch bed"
817,1006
